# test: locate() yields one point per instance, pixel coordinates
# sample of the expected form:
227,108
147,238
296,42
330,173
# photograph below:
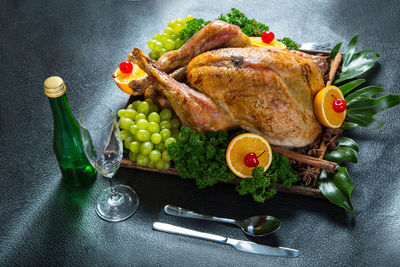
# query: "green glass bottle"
77,173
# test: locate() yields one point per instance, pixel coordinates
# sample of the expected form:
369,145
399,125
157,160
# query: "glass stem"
114,194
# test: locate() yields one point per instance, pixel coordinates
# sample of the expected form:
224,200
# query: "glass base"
118,208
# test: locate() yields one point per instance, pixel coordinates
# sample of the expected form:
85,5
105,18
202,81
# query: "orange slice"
323,107
257,41
123,79
244,144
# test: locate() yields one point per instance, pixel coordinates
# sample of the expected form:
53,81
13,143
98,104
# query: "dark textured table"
83,41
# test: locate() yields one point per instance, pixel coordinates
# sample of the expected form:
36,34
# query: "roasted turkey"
262,90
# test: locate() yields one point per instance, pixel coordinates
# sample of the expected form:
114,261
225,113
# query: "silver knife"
241,245
326,46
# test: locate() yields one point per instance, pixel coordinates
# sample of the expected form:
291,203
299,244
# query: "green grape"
130,113
173,36
134,147
174,131
165,156
143,135
146,148
165,133
151,164
149,100
158,46
153,127
156,138
160,147
167,164
153,117
128,141
151,44
157,37
142,160
165,114
168,30
171,23
144,108
177,28
163,37
155,155
169,44
169,140
175,135
163,51
125,123
188,18
133,156
180,21
178,43
154,55
130,106
133,130
174,124
135,104
153,108
165,125
160,164
140,116
142,124
125,134
121,113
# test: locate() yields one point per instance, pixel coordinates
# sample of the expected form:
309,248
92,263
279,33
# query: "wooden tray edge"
295,189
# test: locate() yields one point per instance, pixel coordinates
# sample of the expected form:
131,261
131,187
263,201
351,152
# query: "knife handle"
181,212
168,228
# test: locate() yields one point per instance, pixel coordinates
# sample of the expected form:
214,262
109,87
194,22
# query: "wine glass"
102,143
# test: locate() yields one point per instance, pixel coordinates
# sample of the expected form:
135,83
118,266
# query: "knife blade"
326,46
241,245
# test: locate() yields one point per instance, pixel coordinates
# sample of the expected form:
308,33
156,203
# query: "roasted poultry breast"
262,90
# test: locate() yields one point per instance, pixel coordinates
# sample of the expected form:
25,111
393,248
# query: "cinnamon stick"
334,66
316,162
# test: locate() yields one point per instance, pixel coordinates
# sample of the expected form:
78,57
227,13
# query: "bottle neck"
62,114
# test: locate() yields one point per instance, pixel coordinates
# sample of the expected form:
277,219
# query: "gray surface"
83,42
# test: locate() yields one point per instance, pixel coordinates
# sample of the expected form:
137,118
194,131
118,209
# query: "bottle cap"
54,87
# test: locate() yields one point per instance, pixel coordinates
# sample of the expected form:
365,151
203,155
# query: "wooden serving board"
294,189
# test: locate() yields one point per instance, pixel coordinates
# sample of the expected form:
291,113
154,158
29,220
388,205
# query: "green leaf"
347,142
361,107
348,125
337,187
334,51
342,154
355,64
350,49
345,88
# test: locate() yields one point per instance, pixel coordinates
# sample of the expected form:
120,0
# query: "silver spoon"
253,226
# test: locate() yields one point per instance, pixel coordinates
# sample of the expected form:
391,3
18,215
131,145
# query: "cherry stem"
116,76
257,31
261,154
334,96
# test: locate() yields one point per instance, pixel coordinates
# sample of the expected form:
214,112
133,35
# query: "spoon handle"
181,212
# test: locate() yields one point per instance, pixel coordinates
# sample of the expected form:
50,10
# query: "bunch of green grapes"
146,133
169,39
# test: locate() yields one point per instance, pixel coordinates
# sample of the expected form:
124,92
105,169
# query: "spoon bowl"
254,226
259,225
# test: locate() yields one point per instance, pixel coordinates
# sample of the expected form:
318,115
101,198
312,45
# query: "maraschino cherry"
266,36
339,105
125,67
251,160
